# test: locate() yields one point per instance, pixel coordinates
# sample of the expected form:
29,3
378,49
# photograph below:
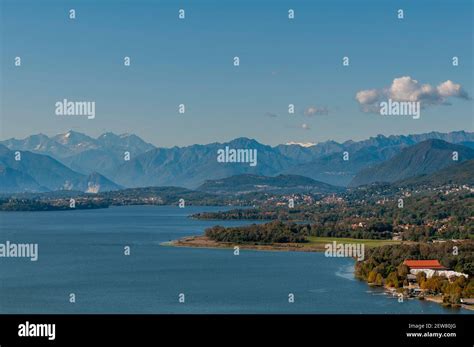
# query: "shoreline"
439,300
205,242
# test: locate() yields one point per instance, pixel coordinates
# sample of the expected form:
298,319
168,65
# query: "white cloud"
314,111
305,126
367,97
448,88
408,89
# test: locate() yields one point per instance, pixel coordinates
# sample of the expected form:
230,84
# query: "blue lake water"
82,252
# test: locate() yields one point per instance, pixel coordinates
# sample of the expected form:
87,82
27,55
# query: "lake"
82,252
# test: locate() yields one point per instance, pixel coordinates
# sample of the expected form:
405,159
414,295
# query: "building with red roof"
423,264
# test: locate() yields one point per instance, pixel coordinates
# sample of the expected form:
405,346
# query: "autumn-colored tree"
421,278
403,271
434,284
468,291
372,276
379,280
392,280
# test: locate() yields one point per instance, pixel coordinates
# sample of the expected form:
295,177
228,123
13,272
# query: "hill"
255,183
424,158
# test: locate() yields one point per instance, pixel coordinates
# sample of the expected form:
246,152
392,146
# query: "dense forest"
278,231
273,232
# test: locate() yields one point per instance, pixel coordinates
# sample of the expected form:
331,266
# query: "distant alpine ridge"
75,161
32,172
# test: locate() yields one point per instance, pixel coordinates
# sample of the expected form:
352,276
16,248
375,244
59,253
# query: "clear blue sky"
191,61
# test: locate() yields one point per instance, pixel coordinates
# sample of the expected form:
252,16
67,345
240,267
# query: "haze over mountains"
77,161
39,173
82,153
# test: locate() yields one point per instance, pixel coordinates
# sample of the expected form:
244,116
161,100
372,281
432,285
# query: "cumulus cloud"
314,111
367,97
448,88
305,126
408,89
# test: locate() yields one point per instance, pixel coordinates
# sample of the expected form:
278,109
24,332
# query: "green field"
313,240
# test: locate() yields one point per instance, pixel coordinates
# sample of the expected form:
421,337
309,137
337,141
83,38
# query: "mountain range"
34,172
77,161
